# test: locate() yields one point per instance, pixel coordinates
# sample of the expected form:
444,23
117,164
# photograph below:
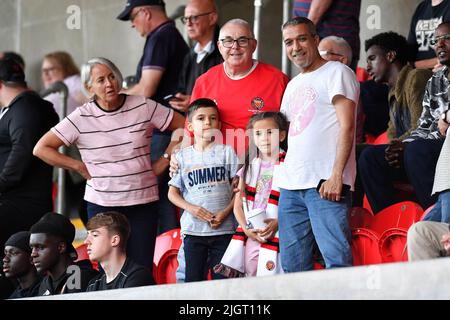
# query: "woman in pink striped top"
113,132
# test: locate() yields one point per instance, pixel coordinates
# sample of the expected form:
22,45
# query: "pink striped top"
115,146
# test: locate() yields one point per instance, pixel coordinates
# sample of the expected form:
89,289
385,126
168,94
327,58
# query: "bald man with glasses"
200,20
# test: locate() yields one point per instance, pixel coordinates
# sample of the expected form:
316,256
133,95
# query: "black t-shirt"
68,282
32,291
424,22
131,275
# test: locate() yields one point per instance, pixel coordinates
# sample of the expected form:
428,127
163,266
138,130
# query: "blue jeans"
143,222
202,254
303,216
441,211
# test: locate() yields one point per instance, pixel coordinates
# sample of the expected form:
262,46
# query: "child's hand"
235,184
254,234
270,230
202,213
217,219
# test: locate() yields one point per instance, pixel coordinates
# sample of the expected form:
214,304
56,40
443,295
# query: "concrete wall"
36,27
429,280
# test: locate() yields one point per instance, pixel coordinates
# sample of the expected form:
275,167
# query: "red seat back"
83,255
165,261
402,214
392,245
365,249
382,139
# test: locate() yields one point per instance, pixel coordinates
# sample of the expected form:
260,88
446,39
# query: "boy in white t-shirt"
319,168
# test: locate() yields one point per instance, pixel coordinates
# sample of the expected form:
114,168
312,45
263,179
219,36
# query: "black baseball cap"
58,225
11,71
131,4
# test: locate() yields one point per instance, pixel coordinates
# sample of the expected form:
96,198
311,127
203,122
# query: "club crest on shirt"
270,265
257,103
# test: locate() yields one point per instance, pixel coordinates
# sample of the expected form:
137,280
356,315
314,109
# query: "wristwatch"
444,117
166,156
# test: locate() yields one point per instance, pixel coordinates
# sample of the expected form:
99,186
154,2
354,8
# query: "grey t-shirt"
204,179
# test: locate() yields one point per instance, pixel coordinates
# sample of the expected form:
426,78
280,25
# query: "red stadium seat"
362,75
165,261
402,214
83,255
382,139
359,218
365,248
392,245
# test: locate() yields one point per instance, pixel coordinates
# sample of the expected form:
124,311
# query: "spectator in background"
157,77
113,132
59,66
430,239
13,56
428,15
53,254
333,17
417,153
18,265
25,181
200,19
108,233
334,48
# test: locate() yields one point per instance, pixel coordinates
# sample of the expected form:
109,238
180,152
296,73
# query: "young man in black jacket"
25,181
108,233
52,253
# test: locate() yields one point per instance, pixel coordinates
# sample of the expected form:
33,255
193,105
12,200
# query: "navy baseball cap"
131,4
11,71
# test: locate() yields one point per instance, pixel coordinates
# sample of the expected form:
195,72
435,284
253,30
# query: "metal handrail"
60,87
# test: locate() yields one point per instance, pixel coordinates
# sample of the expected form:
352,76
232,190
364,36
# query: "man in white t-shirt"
320,104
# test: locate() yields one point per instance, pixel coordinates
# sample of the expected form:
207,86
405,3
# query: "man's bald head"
203,5
336,49
237,22
200,17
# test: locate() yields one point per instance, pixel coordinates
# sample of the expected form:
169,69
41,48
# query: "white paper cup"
256,217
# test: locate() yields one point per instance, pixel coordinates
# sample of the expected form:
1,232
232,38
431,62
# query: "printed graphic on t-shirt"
303,108
425,32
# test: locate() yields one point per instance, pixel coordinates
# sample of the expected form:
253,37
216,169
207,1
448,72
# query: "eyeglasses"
133,16
48,70
445,37
193,19
329,53
242,42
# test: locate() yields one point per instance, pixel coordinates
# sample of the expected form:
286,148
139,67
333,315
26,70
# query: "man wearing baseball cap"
25,181
17,265
52,252
157,75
